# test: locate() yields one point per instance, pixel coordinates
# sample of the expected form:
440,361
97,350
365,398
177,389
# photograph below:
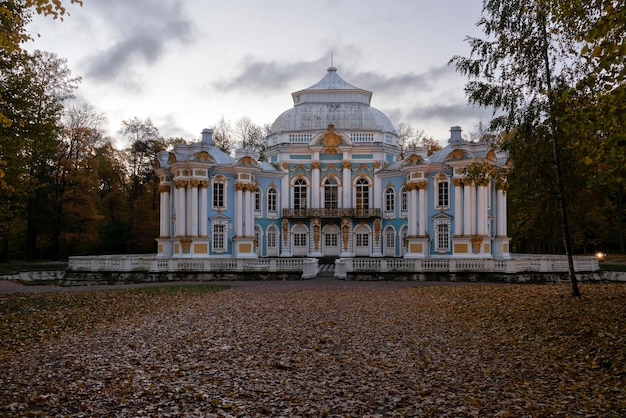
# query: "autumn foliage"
283,349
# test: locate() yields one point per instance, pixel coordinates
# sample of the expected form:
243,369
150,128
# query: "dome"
332,100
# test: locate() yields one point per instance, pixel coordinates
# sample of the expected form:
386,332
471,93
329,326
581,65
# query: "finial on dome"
332,68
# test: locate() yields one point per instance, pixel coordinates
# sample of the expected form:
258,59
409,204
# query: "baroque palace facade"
333,184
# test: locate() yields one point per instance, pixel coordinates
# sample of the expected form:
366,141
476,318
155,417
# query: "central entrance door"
362,241
330,245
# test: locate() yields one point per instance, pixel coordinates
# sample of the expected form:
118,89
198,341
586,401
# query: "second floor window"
443,194
362,194
257,200
331,194
299,194
218,195
404,200
390,200
272,200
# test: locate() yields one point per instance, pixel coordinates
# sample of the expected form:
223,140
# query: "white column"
181,208
378,193
501,217
413,212
249,212
481,215
347,184
458,207
193,222
315,189
473,210
467,213
204,214
284,191
165,210
238,210
423,198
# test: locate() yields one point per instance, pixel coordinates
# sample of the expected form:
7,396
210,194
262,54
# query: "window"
271,238
272,200
362,239
390,238
219,237
299,194
330,239
257,199
390,200
218,196
331,195
442,236
362,194
404,200
299,239
443,194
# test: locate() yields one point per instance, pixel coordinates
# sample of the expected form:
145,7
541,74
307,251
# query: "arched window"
272,200
390,200
271,241
362,194
331,194
299,194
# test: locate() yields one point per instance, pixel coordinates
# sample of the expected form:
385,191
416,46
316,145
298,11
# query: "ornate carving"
250,187
194,182
171,157
331,140
316,164
441,177
164,188
316,233
239,186
413,159
457,154
285,165
285,231
180,184
377,165
205,156
345,233
502,184
377,226
186,244
422,185
346,164
476,245
204,184
457,182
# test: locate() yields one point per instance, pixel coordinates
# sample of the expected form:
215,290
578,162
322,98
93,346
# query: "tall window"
271,238
299,239
443,194
299,194
390,238
404,200
257,199
218,195
442,238
272,200
390,200
331,195
219,237
362,194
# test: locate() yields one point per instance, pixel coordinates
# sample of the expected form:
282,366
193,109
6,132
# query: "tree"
223,135
250,136
409,137
518,70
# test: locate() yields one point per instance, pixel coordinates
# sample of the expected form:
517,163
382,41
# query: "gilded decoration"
204,184
377,165
204,156
186,244
285,165
345,233
244,176
250,187
457,182
491,155
476,244
422,185
194,183
455,155
171,157
273,185
220,178
346,164
316,164
239,186
285,231
413,159
441,177
316,233
164,188
248,161
331,140
377,225
180,184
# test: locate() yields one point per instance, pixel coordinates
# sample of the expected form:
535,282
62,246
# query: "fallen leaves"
463,350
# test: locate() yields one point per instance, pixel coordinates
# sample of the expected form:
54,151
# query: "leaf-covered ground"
456,350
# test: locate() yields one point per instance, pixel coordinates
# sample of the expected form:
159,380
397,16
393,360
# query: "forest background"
68,188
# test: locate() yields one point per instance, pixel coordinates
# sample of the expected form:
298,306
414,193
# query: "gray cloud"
382,83
144,29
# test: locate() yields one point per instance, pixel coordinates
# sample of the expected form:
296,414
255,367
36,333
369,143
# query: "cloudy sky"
185,64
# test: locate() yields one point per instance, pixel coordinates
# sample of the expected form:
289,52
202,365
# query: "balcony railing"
332,213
